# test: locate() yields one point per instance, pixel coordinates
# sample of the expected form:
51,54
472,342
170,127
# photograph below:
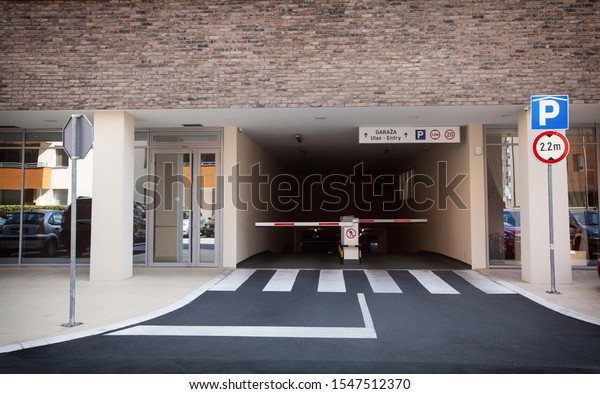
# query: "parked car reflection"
84,224
186,225
3,218
583,227
41,232
209,228
512,232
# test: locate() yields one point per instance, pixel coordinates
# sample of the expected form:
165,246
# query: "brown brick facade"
221,54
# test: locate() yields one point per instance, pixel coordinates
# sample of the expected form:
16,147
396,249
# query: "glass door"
170,208
205,223
183,208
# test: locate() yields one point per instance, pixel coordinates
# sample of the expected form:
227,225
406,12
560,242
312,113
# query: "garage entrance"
375,183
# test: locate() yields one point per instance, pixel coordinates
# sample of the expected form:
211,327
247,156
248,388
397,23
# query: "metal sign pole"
551,219
74,158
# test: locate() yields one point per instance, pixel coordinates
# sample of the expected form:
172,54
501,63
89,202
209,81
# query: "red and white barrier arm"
335,224
302,224
392,220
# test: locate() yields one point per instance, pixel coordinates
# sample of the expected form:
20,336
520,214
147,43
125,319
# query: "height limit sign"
550,147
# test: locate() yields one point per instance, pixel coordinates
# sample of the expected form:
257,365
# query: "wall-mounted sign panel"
408,135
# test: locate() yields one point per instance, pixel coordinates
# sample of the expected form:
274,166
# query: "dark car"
41,232
84,224
209,228
3,218
512,232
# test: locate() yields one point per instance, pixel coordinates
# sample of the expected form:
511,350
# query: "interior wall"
250,209
448,230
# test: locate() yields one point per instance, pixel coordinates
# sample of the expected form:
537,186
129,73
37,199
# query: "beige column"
229,210
112,203
535,238
477,194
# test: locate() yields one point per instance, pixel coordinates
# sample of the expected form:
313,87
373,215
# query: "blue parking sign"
550,112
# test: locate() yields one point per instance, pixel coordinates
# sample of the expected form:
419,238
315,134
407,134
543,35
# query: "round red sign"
550,147
351,233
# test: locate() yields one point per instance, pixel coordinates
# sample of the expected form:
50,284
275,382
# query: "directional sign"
549,112
550,147
78,136
408,135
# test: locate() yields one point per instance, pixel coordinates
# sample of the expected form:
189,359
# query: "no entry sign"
550,147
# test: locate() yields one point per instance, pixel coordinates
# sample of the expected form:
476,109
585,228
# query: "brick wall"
217,54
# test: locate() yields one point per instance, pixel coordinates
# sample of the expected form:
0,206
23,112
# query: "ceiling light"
193,125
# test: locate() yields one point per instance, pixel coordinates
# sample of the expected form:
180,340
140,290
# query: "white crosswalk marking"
484,284
331,281
282,280
433,283
234,280
381,282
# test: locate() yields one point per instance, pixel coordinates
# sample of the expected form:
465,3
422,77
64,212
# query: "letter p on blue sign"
549,112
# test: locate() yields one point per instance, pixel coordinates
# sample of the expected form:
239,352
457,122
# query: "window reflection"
582,164
35,177
504,222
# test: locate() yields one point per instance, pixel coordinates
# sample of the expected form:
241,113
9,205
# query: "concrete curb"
129,322
544,302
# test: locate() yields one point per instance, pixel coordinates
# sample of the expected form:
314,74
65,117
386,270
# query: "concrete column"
477,193
112,204
229,210
535,238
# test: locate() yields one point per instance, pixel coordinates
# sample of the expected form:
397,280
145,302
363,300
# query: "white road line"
482,283
283,280
331,281
381,281
433,283
368,331
233,281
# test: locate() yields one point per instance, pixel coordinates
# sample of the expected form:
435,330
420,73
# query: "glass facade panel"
35,184
504,222
504,238
582,170
208,204
140,203
11,186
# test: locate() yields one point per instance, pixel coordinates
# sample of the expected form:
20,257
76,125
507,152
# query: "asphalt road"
316,321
